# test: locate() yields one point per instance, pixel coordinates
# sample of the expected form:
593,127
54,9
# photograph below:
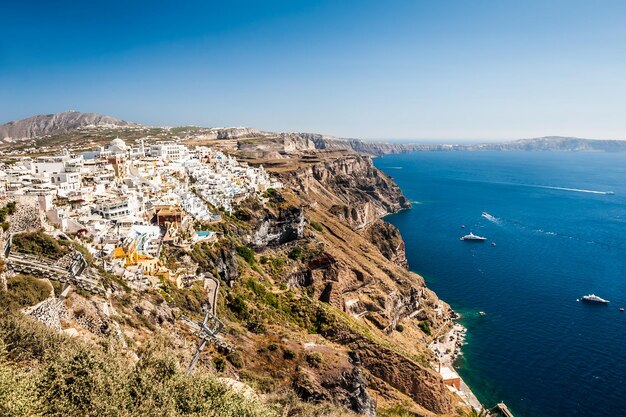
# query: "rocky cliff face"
237,132
50,124
351,187
389,241
358,266
276,229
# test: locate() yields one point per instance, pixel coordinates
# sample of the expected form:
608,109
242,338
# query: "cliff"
352,261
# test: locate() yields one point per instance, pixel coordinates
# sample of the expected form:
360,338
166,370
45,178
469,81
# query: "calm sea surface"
537,349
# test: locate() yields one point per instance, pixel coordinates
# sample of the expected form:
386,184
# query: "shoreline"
447,348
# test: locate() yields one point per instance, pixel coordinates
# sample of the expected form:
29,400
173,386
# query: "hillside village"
124,202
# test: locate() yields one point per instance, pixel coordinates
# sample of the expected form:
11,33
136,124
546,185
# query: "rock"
388,240
226,265
348,390
285,227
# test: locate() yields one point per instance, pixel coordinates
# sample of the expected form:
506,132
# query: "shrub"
71,378
272,347
40,243
289,354
295,253
239,306
317,226
235,359
243,215
425,327
256,327
24,291
399,327
220,364
314,359
246,253
5,226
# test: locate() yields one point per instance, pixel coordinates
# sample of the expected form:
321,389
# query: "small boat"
610,193
621,309
493,243
473,237
488,216
593,299
462,226
482,313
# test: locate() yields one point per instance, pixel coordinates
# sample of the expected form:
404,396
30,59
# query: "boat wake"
491,218
576,190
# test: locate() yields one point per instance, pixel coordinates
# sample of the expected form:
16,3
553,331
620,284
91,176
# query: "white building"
169,151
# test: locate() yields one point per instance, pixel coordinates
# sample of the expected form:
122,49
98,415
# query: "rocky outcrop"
236,132
354,190
287,226
49,124
226,265
348,389
389,241
276,147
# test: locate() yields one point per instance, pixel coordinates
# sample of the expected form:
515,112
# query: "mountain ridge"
47,124
64,122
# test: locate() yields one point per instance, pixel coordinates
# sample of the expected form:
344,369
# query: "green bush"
399,327
317,226
425,327
239,306
256,326
72,378
235,359
243,215
289,354
220,364
295,253
246,253
24,291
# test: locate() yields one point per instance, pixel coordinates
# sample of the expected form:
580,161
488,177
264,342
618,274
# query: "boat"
482,313
473,237
493,243
488,216
610,193
621,309
594,299
462,226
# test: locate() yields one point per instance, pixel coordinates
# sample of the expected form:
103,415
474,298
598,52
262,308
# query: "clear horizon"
480,71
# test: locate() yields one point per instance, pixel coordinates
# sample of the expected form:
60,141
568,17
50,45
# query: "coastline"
447,348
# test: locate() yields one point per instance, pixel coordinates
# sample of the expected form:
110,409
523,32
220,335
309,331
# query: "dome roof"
119,144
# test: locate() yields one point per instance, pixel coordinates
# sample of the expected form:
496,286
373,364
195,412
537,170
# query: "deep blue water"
537,349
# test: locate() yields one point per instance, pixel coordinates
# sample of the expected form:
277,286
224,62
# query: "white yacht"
474,237
592,298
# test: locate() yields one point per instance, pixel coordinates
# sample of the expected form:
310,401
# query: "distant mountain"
556,143
289,142
48,124
547,143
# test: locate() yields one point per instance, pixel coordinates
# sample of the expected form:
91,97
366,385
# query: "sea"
558,221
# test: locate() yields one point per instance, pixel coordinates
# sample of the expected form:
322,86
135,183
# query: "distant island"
57,124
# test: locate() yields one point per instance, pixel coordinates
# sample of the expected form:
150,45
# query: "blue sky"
417,69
